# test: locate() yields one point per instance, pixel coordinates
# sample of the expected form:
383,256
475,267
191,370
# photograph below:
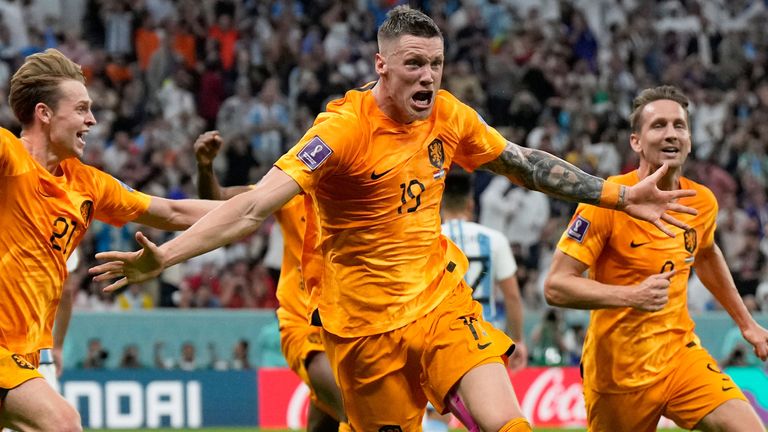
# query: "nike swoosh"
633,245
375,176
727,388
484,346
713,369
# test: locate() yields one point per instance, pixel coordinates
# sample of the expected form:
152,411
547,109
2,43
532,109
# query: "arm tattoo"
543,172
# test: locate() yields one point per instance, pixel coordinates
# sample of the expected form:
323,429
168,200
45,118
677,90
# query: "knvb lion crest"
86,211
22,362
436,153
690,240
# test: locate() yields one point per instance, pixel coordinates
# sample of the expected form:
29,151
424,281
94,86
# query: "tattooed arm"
540,171
543,172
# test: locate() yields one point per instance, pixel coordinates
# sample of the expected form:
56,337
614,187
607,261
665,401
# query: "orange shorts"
387,379
692,390
16,369
298,343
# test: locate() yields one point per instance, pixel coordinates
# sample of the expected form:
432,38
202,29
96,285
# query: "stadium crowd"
557,75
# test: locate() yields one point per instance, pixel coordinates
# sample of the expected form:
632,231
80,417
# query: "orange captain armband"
611,195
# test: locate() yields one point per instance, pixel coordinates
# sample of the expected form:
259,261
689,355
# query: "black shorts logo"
391,428
22,362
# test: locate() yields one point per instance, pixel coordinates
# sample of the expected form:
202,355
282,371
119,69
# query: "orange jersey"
376,186
43,219
633,349
291,293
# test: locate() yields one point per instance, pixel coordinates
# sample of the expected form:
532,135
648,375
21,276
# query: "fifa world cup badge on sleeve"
314,153
578,229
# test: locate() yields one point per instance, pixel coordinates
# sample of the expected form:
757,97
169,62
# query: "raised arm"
207,147
541,171
714,274
232,220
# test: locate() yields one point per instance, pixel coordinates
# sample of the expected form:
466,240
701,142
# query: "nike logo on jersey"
375,176
633,245
483,346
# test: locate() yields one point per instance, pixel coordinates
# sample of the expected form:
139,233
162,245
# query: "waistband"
46,356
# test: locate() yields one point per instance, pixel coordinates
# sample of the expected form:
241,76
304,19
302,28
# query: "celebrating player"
641,357
399,321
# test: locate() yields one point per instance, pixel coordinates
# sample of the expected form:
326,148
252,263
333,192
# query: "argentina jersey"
490,260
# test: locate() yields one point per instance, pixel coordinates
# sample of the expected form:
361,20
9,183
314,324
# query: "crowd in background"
558,75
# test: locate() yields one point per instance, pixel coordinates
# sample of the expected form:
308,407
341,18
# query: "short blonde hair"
38,79
666,92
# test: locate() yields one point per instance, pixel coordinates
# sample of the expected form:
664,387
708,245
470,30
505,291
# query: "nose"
670,132
427,76
90,119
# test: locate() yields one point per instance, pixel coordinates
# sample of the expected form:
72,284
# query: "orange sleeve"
588,232
118,203
321,150
479,142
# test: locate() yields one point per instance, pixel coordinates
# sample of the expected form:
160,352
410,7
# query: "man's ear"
634,142
43,112
380,64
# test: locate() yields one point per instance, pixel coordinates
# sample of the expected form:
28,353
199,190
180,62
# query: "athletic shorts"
692,390
16,369
298,343
387,379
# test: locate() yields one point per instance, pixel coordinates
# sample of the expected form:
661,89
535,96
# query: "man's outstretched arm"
232,220
543,172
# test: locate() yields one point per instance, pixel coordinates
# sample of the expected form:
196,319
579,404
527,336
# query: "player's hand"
758,337
647,202
519,358
207,146
653,293
131,267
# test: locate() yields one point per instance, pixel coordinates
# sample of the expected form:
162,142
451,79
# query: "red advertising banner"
548,397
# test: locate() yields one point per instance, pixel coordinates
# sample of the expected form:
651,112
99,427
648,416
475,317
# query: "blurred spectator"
96,356
269,119
240,359
135,297
130,358
547,344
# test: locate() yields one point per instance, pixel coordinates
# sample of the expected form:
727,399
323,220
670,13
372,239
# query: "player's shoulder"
702,192
8,140
627,179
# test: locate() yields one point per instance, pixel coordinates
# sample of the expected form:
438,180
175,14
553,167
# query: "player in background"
302,344
492,267
400,326
641,357
49,199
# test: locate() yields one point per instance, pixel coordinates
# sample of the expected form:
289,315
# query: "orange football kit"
43,219
298,340
639,365
401,325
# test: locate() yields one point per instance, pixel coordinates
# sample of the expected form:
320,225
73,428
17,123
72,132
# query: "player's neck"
462,216
38,146
670,181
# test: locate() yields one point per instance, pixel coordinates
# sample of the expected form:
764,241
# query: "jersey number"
62,227
413,191
485,264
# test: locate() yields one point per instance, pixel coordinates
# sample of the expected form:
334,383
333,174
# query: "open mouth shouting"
422,100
